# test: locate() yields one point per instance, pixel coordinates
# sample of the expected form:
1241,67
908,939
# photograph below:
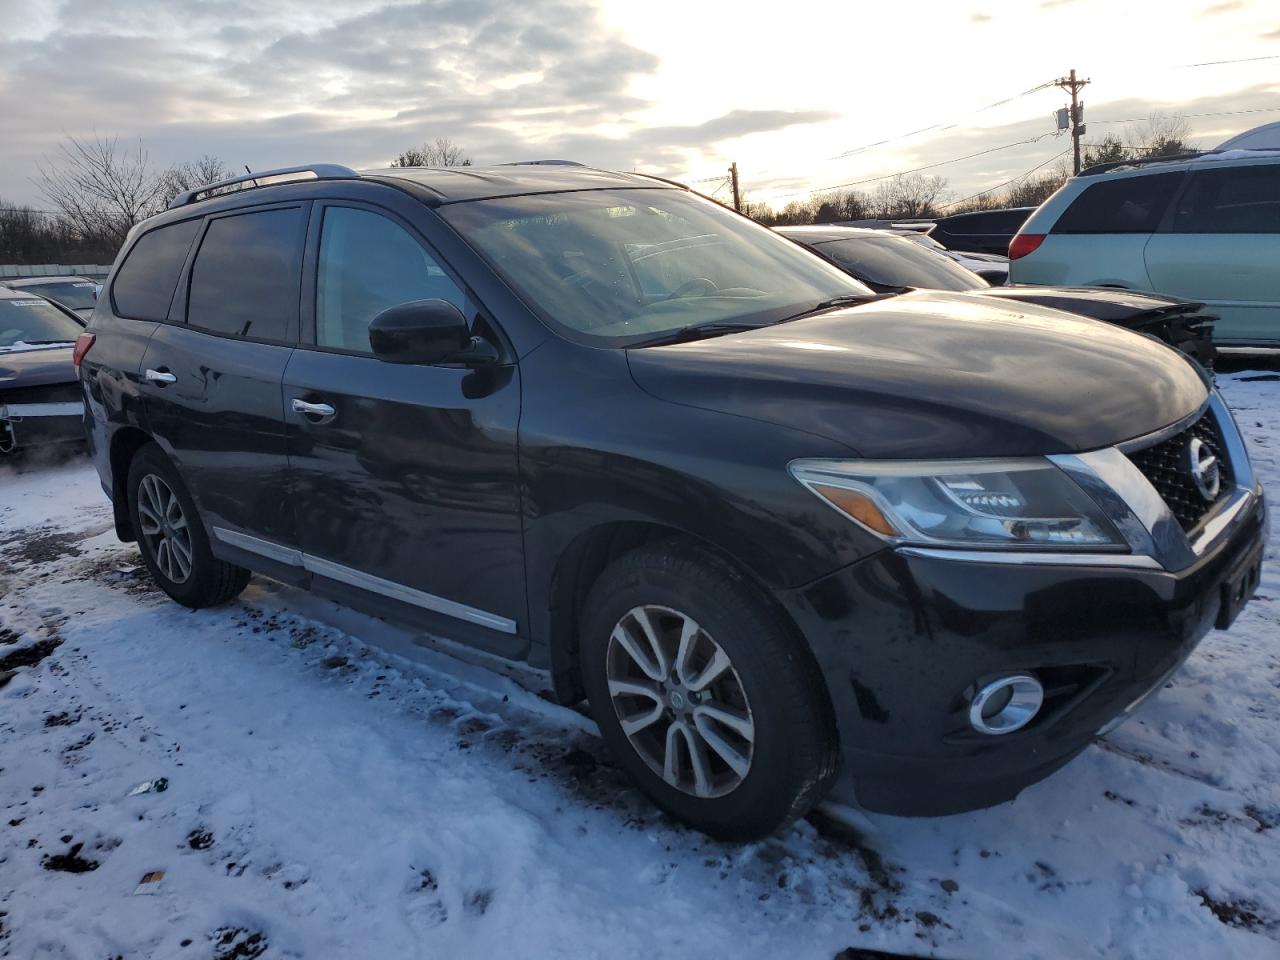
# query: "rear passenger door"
406,482
211,377
1223,247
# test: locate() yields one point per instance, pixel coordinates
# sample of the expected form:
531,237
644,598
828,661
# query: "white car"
1203,227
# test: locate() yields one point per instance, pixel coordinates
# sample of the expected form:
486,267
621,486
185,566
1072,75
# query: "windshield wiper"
43,343
698,331
831,304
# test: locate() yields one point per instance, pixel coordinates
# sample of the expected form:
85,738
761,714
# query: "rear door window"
247,273
369,263
1232,200
144,284
1126,205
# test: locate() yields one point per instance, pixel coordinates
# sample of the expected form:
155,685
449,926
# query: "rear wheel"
171,536
703,693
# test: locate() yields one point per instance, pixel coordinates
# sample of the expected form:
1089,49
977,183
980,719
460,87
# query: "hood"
1101,303
931,374
35,366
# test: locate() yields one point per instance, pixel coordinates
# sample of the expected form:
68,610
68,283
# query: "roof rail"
317,171
1099,168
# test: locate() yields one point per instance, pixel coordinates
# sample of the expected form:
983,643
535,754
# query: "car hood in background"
35,366
930,374
1101,303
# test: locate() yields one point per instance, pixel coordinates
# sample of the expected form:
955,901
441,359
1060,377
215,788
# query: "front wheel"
703,694
171,536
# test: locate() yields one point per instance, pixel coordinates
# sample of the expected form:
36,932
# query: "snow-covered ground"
339,788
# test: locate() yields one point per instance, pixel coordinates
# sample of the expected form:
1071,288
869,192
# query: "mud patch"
70,862
199,839
29,656
1240,913
237,943
41,546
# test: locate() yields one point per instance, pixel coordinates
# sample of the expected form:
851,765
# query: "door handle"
160,377
320,411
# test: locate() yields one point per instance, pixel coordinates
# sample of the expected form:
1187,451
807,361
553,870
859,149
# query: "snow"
343,788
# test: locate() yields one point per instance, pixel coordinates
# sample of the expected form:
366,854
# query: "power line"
1218,63
1193,116
1021,176
936,127
941,126
902,173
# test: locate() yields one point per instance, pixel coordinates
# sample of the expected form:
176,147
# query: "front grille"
1168,467
47,393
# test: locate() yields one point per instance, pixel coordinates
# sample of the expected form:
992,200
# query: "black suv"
773,527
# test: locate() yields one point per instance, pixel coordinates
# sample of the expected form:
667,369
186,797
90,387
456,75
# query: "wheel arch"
582,562
125,444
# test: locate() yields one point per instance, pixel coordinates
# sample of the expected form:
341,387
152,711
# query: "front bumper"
905,640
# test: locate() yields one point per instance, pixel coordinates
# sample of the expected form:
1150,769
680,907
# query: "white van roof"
1265,137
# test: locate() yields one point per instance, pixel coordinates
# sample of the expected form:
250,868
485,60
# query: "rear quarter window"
144,284
1126,205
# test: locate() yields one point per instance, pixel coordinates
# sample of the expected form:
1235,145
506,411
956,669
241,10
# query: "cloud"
352,81
979,18
1228,6
1273,35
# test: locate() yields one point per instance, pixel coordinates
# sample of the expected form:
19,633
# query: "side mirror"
426,332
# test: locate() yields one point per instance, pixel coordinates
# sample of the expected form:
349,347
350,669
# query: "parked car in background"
75,293
1204,227
984,231
894,264
991,267
41,404
774,528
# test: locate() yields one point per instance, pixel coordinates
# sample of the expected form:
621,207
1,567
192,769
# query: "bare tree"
194,173
1161,136
443,152
909,195
100,187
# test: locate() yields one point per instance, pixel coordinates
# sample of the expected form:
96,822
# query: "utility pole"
1070,83
733,178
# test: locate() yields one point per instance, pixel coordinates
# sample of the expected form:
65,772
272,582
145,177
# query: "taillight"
1024,243
83,343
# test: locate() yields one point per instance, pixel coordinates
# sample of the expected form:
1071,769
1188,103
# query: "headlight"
1027,503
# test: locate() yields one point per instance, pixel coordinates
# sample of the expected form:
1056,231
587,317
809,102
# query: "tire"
771,688
186,570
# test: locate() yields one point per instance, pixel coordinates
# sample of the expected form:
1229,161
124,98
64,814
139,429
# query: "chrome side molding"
364,581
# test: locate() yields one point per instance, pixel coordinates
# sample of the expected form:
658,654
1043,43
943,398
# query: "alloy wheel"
164,528
679,701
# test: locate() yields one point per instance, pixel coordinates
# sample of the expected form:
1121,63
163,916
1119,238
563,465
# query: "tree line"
910,196
97,189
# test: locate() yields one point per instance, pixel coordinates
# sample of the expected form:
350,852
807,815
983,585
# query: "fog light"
1006,705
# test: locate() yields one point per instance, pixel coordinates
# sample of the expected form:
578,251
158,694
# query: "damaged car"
784,535
41,405
895,264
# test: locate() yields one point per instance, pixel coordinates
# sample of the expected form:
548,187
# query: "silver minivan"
1206,228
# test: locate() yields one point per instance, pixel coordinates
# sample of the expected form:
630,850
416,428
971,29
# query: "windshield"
622,266
897,262
32,320
76,294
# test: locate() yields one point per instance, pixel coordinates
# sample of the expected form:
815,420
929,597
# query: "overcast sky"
675,88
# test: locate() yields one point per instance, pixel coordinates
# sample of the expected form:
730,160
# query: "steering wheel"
697,287
11,336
